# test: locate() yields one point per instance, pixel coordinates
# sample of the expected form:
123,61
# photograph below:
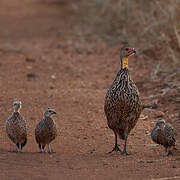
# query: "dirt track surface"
71,76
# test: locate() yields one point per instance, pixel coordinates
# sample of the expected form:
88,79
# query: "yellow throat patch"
125,62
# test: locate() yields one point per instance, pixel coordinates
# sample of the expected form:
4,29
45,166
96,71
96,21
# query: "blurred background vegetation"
152,27
149,25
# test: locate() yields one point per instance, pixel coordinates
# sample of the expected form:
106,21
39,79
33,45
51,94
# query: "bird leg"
124,152
167,152
15,148
49,149
41,148
20,148
116,148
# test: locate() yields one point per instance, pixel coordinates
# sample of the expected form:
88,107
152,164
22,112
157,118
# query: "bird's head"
125,53
17,106
48,112
160,123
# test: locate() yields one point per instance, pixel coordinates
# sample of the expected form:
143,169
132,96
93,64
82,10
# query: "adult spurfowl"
122,103
163,134
46,130
16,128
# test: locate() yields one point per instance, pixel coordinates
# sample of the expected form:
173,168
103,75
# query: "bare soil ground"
71,73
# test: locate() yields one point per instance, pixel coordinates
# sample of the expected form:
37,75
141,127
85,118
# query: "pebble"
51,86
31,75
29,67
28,59
53,76
148,133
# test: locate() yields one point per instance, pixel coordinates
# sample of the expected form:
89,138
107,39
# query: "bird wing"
169,133
45,131
161,138
40,131
16,128
122,105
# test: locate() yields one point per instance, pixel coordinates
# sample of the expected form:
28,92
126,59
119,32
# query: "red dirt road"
72,75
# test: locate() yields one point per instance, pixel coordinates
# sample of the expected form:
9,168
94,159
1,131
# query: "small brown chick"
16,127
46,130
163,134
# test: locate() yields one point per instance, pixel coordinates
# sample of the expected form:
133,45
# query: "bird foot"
125,153
42,151
19,150
14,150
167,153
116,148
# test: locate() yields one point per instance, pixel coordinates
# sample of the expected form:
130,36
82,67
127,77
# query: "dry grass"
153,27
145,24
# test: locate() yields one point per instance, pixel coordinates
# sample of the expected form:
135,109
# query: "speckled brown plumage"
46,130
163,134
122,104
16,127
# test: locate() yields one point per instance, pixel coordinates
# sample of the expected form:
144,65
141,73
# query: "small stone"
51,86
53,76
148,133
28,59
92,151
31,75
149,161
29,67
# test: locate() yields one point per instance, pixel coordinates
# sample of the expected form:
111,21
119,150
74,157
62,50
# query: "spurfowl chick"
16,127
122,104
46,130
163,134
